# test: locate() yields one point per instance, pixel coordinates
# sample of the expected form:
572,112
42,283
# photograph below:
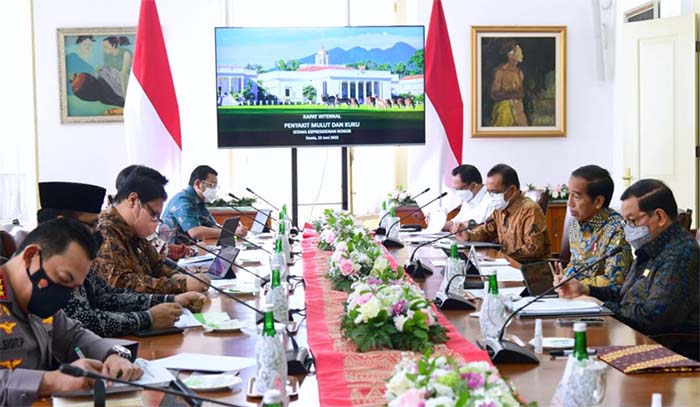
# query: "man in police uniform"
36,334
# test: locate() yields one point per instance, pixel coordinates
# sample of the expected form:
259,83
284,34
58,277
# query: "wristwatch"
119,351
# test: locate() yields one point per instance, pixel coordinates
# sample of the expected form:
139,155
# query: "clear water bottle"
382,217
493,309
283,237
277,296
278,260
454,273
270,358
392,225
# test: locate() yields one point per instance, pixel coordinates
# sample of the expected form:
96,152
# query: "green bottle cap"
383,205
392,212
454,253
278,245
276,278
269,322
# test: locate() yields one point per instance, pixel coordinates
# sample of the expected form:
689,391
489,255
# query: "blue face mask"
637,236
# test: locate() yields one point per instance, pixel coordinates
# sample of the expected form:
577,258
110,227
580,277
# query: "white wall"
539,161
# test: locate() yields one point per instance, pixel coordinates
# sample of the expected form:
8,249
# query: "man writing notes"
517,222
35,284
187,213
660,292
476,205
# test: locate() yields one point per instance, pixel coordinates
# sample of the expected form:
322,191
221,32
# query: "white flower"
381,263
399,320
369,310
399,384
440,402
444,391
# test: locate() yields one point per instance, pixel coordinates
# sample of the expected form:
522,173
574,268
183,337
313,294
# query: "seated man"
105,310
468,185
187,211
126,259
34,285
517,222
660,292
596,228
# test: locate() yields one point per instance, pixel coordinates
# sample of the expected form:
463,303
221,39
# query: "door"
661,87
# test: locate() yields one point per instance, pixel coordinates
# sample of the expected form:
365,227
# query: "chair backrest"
565,248
541,196
7,244
685,218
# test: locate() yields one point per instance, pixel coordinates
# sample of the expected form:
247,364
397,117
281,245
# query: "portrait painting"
94,69
518,81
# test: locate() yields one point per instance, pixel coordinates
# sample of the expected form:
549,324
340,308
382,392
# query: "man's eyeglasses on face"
208,184
155,216
634,222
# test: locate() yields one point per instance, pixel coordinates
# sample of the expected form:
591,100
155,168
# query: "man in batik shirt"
596,229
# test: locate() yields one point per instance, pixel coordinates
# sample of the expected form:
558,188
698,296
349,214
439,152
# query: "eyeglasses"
208,184
155,216
633,222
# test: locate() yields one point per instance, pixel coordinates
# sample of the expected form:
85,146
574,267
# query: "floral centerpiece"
336,227
558,192
390,315
444,382
353,258
400,197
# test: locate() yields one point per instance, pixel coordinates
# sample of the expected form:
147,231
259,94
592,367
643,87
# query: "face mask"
209,195
47,297
465,195
637,236
498,201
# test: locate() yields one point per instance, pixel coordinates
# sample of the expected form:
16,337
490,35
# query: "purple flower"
399,307
373,280
489,404
474,380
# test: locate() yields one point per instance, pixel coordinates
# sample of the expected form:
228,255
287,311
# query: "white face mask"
637,236
498,201
465,195
209,195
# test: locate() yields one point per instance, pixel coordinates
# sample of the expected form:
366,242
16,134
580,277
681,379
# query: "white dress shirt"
478,209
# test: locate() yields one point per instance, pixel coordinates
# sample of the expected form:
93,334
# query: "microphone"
415,268
76,371
245,214
262,199
191,241
216,225
502,351
393,243
420,193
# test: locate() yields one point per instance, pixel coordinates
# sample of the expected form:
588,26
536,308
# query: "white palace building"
328,80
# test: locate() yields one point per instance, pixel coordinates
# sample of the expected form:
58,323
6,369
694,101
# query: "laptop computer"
228,231
538,278
220,267
261,218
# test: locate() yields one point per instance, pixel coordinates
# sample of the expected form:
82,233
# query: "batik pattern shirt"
520,229
128,261
593,239
109,311
184,212
662,289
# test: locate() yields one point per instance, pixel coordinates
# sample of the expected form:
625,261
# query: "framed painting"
94,68
518,81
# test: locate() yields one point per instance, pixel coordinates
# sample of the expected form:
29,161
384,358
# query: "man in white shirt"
476,204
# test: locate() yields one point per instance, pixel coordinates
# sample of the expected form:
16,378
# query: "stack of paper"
204,363
556,306
506,273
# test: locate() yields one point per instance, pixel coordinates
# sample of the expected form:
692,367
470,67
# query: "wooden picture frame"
94,65
518,81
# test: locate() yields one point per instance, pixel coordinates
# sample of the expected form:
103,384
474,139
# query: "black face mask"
47,297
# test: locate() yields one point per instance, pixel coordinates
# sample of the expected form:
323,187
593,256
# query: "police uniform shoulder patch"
3,289
47,321
8,327
10,364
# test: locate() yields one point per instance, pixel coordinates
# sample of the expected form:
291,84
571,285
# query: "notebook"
554,307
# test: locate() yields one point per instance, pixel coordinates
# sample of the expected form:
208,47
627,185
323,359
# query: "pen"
567,352
79,352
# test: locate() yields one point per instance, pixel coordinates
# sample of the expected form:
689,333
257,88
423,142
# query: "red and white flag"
151,114
444,109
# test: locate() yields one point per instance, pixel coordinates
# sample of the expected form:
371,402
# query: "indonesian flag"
151,115
444,109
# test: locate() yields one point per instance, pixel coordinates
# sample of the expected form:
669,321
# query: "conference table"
534,382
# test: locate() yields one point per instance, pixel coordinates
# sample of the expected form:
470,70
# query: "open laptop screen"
538,277
226,238
221,265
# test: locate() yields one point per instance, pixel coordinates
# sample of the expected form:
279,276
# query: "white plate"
554,342
232,325
238,288
212,382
